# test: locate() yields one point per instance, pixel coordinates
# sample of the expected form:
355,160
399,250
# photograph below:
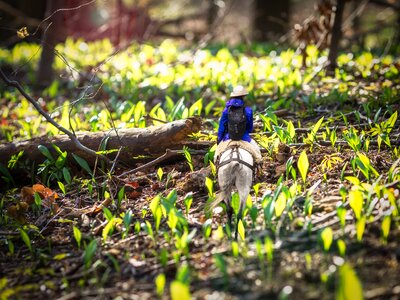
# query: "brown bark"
271,19
52,36
153,141
336,35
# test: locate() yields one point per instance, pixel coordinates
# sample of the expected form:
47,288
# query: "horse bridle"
237,158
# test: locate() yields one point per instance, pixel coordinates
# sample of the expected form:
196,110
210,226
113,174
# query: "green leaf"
291,130
391,122
269,248
38,199
235,203
107,213
160,284
60,256
183,274
235,249
341,212
188,157
90,251
25,237
349,285
77,235
241,230
83,163
327,238
314,130
179,291
121,194
6,173
61,159
188,201
45,152
61,186
220,262
67,175
303,165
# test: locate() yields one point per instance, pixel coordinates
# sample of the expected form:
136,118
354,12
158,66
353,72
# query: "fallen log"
150,141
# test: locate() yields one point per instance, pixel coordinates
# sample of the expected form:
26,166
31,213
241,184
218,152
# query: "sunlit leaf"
210,186
235,249
356,202
327,238
241,230
353,180
291,130
77,235
179,291
269,248
385,227
349,287
235,203
341,245
61,186
360,227
23,33
60,256
303,165
160,284
280,204
160,173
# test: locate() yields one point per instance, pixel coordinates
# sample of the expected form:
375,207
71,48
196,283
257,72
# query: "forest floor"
120,265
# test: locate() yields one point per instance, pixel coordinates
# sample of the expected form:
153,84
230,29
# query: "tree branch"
74,139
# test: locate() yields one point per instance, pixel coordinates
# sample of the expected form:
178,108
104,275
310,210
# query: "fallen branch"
168,154
151,141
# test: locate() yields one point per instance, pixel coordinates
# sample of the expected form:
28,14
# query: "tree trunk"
336,35
153,141
271,19
52,35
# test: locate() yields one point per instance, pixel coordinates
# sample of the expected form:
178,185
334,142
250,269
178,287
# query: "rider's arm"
223,122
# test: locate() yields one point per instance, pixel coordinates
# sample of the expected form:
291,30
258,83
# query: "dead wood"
151,141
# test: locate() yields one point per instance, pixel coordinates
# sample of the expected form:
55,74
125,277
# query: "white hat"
239,91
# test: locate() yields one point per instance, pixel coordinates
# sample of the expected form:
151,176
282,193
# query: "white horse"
235,169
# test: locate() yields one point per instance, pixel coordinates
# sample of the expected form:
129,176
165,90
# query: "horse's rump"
236,154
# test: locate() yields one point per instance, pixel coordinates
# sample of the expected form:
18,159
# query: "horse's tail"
214,203
224,194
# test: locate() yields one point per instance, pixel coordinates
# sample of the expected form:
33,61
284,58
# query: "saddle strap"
236,159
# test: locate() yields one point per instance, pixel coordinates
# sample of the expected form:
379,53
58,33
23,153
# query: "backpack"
236,122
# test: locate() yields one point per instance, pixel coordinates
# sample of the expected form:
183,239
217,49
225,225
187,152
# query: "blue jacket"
223,134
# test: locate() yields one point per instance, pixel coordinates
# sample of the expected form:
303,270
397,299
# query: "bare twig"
168,154
74,139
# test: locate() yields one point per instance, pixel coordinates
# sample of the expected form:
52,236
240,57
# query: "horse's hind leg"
226,194
226,182
243,184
